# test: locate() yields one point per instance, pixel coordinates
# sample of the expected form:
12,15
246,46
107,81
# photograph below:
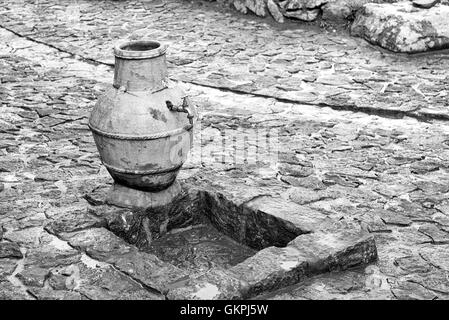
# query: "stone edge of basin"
329,246
273,268
325,247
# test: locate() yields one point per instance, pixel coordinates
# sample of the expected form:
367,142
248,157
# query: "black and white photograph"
231,154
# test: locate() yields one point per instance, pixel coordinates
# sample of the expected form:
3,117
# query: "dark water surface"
199,247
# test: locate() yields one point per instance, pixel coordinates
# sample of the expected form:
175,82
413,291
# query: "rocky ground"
362,137
328,11
397,25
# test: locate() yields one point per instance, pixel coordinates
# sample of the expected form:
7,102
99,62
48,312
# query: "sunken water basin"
216,248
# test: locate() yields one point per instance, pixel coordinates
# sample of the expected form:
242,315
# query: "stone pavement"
225,50
362,138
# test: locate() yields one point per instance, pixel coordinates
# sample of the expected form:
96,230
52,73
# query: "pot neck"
140,66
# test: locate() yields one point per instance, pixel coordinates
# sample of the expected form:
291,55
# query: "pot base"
125,197
154,183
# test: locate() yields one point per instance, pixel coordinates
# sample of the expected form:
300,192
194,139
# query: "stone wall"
336,11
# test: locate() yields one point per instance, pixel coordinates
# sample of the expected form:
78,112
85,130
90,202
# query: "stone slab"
273,268
401,27
10,250
105,246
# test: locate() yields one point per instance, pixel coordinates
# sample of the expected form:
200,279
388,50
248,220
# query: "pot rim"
155,49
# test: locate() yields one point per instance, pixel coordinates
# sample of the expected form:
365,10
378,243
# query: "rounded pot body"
142,126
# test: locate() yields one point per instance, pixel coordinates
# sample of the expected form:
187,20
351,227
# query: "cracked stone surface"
362,138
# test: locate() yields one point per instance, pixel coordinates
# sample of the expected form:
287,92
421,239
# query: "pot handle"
182,108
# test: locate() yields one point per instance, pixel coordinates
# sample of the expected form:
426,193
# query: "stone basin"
206,244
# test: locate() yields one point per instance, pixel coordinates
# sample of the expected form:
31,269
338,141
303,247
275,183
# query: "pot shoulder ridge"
138,113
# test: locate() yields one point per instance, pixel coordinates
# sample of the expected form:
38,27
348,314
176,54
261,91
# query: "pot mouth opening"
139,49
140,45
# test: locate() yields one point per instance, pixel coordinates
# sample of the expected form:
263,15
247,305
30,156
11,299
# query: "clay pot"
142,125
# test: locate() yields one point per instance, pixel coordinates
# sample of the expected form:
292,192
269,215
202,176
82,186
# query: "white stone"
274,11
401,27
